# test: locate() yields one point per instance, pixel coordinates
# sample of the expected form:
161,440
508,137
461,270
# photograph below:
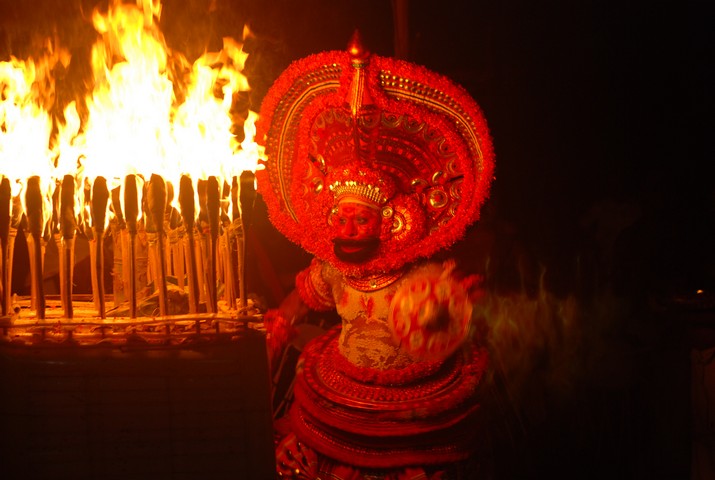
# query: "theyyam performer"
373,166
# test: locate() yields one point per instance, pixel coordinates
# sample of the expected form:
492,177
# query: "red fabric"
427,421
295,460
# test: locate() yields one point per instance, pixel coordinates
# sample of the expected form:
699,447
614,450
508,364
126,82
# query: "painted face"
356,232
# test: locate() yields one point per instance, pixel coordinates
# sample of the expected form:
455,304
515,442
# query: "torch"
86,227
234,241
247,197
67,226
35,220
120,276
17,217
213,210
176,230
156,202
225,247
131,213
100,198
188,215
174,254
204,242
57,236
5,215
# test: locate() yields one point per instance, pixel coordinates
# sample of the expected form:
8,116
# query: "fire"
25,125
150,114
129,110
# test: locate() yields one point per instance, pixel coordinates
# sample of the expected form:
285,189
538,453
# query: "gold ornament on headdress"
351,188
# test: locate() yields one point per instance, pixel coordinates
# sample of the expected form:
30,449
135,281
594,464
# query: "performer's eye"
361,220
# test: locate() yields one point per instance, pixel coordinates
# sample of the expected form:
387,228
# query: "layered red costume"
390,393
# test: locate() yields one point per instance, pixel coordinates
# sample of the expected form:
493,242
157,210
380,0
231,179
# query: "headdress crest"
392,132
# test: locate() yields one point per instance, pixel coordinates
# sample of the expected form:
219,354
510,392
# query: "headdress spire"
358,95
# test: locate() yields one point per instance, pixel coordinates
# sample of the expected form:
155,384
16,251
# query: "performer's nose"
349,228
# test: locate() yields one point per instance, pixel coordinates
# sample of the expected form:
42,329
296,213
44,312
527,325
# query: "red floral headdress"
385,129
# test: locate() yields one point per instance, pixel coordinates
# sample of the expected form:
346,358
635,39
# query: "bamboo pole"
131,215
5,260
247,197
156,202
68,226
57,238
213,211
100,198
234,240
118,228
187,206
34,211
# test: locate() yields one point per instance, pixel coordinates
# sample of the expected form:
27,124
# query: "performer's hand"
430,316
279,332
280,324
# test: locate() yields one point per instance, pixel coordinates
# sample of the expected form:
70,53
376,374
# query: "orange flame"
149,110
26,92
146,117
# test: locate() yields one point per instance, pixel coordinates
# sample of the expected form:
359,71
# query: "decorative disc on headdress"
409,139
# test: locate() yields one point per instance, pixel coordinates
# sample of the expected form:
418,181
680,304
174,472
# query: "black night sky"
596,111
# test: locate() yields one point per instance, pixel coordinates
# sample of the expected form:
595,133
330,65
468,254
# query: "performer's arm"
293,308
311,292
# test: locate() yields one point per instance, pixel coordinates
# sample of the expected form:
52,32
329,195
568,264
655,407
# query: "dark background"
598,111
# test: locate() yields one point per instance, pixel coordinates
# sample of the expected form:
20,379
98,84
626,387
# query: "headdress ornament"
390,132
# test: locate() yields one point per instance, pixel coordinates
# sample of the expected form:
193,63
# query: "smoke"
547,351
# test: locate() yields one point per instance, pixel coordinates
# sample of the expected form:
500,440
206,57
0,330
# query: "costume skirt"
424,414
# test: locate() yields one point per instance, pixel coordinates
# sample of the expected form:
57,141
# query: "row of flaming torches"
197,257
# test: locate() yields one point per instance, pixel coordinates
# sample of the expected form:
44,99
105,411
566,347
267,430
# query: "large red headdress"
390,132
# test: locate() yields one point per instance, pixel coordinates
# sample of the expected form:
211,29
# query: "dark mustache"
350,242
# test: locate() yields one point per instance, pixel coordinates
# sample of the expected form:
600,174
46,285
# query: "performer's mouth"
355,251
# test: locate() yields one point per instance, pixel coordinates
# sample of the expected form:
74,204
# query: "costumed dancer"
373,166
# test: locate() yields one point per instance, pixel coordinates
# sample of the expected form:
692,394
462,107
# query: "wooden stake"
5,216
118,228
8,253
100,198
213,204
187,206
68,226
34,211
131,214
247,197
156,201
